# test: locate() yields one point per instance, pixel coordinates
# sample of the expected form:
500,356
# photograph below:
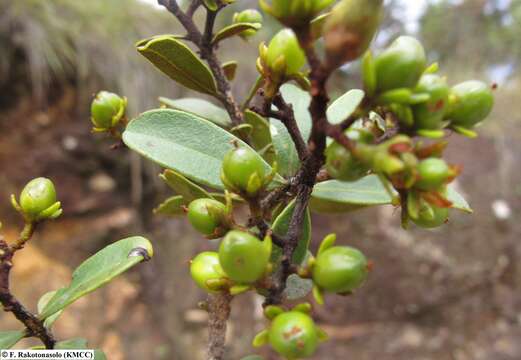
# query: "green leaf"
297,287
344,106
173,206
458,201
260,135
183,142
234,29
42,303
230,69
287,157
179,62
280,227
182,186
335,196
211,4
98,270
78,344
201,108
8,339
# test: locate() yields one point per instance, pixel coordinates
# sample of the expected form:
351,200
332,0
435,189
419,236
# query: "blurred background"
451,294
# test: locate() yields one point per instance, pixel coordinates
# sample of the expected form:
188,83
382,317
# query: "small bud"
250,16
206,271
350,28
294,13
207,216
471,102
429,115
38,200
284,56
243,171
107,110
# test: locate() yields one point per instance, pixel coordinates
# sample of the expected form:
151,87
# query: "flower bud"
429,115
243,171
107,109
294,13
251,16
207,216
433,173
205,268
400,65
284,56
350,28
38,200
471,102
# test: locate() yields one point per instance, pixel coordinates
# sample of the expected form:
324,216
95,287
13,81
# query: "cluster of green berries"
37,201
400,79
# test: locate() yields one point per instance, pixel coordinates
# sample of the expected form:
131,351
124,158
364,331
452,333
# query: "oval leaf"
42,303
173,206
335,196
179,62
182,186
457,200
230,69
234,29
260,135
344,106
183,142
8,339
280,227
200,107
98,270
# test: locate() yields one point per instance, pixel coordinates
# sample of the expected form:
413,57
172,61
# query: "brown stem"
219,311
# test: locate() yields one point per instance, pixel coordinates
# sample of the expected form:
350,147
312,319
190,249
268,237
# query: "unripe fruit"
204,267
107,109
251,16
430,217
471,103
400,65
37,196
239,166
429,115
284,53
341,164
433,173
243,257
294,13
206,215
293,335
350,28
340,269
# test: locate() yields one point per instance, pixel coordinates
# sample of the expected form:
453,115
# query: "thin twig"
219,309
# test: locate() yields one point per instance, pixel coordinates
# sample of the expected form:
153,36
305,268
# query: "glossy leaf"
280,227
297,287
98,270
179,62
8,339
344,106
287,157
200,107
173,206
183,142
44,300
335,196
182,186
230,69
234,29
260,135
458,201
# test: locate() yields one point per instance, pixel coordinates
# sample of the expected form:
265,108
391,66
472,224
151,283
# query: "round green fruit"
400,65
38,195
293,335
251,16
340,269
342,165
433,173
429,115
294,12
284,47
239,165
472,101
243,257
204,267
107,109
206,215
430,217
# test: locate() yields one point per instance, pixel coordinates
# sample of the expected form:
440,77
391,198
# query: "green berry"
433,173
243,257
430,217
204,267
429,115
206,215
107,109
240,166
340,269
340,162
400,65
284,49
251,16
471,103
294,12
293,335
38,195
